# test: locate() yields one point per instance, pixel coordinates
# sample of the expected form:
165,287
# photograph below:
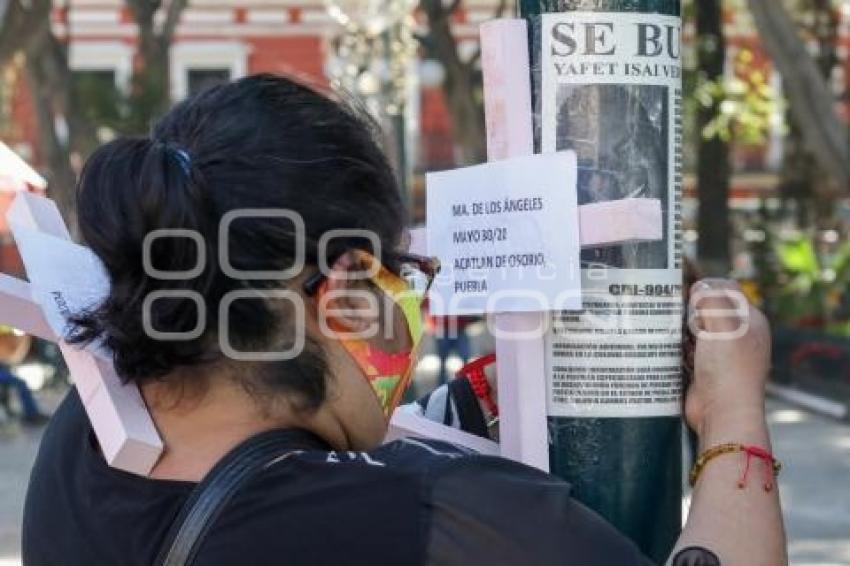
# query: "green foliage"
148,100
747,104
114,111
799,258
814,286
98,97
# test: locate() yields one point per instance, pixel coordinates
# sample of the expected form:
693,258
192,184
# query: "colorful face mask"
389,369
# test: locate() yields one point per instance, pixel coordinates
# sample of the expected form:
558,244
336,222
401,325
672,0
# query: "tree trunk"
803,180
713,170
20,24
808,92
25,28
150,96
49,81
462,85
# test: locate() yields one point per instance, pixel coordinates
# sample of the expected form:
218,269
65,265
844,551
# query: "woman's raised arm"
735,512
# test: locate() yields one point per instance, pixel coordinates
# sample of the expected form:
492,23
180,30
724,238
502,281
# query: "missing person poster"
611,90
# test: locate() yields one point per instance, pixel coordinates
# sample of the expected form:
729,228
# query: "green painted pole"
627,469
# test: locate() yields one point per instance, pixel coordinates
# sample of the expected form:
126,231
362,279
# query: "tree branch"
476,56
49,82
143,10
436,12
812,102
172,20
22,22
150,95
461,83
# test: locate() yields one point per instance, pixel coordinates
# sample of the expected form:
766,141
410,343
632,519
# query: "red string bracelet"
474,372
771,470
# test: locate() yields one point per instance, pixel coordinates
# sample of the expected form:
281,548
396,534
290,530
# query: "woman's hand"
725,403
732,357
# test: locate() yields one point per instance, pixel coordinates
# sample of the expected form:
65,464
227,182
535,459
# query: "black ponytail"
129,189
262,142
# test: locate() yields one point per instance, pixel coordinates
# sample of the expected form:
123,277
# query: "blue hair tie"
183,157
185,160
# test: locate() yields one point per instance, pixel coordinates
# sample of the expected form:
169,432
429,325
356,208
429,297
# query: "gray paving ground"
17,450
815,483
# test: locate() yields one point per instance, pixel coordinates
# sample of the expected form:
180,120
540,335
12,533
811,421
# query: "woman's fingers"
718,310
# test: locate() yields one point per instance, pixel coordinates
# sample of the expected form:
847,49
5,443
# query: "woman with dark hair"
263,302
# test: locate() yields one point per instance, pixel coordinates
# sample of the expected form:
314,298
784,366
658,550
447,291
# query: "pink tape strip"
620,221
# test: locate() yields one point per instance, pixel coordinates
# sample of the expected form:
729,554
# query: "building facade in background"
221,40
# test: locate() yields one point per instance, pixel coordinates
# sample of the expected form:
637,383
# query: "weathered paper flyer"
611,90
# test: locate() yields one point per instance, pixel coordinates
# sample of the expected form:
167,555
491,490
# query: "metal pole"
629,468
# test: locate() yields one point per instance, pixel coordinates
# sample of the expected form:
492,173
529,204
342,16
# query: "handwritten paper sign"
507,235
66,277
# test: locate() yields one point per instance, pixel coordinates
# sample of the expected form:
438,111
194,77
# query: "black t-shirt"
407,503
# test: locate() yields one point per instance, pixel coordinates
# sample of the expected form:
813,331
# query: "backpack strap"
209,499
469,411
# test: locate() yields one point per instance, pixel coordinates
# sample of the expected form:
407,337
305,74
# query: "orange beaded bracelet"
771,472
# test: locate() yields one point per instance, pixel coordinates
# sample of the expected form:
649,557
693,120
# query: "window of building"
202,79
196,65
